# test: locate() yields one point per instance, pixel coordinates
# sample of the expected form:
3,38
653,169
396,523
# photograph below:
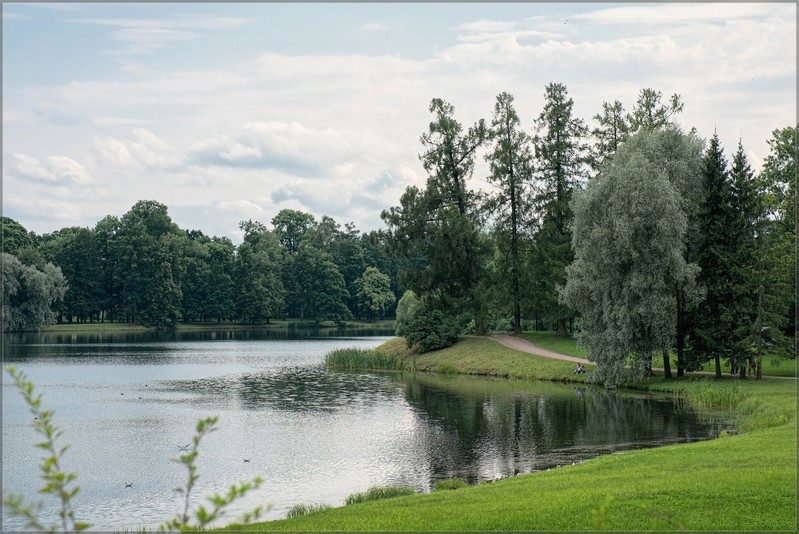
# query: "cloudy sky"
227,112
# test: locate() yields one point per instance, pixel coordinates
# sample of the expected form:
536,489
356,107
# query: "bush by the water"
430,330
379,492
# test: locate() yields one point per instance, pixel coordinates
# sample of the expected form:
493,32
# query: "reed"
379,492
300,510
354,358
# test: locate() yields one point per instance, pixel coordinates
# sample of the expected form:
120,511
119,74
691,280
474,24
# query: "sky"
229,112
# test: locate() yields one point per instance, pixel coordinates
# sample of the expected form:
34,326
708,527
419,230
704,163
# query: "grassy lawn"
744,481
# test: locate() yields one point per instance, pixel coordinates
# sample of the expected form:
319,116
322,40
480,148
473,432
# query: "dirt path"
525,346
530,348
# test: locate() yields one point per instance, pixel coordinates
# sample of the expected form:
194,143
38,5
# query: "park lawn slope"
744,482
469,356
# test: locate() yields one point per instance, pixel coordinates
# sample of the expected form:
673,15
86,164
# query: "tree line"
142,268
639,236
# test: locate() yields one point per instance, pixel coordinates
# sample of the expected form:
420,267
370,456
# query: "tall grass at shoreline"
355,358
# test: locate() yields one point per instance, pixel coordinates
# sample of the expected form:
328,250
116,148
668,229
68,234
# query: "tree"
612,131
628,239
648,112
30,294
777,183
561,154
407,308
15,236
321,292
436,229
75,251
373,293
511,172
290,227
714,324
260,295
150,260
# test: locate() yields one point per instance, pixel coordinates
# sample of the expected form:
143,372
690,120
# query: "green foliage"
648,112
431,329
407,308
30,294
436,230
290,227
57,482
301,510
450,484
628,240
509,206
561,154
612,131
379,492
373,293
15,236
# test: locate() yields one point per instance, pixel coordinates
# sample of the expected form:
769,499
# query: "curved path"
525,346
530,348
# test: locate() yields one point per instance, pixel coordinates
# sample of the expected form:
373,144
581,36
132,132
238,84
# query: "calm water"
126,404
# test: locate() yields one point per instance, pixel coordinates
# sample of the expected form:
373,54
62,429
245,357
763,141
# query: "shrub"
430,330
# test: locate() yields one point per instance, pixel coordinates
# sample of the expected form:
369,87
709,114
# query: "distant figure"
579,369
128,484
247,460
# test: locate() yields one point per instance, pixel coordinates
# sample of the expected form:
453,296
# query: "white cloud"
679,13
69,170
145,36
30,167
373,27
141,150
56,170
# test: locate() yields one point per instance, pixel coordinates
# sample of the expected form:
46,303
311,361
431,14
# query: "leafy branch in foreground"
218,502
57,481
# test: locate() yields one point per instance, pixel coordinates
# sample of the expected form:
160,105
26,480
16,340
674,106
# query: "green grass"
771,366
450,484
300,510
378,358
376,493
745,481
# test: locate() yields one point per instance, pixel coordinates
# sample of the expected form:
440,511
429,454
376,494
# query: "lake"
127,403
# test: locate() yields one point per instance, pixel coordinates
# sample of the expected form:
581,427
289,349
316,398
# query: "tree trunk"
561,327
680,334
666,364
718,366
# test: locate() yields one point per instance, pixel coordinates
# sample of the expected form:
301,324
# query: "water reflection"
491,429
473,428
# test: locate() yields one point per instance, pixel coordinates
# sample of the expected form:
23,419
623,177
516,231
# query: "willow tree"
628,240
509,205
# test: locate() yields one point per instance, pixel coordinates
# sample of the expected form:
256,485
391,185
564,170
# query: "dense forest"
634,234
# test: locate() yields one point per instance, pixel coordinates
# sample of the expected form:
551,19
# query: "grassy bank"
745,481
